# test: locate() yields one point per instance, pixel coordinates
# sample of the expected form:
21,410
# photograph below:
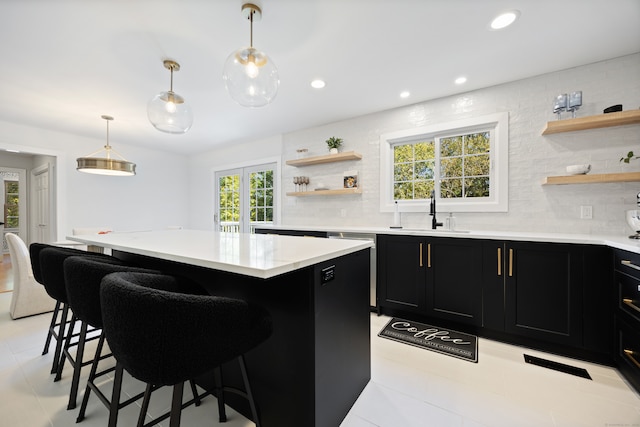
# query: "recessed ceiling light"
318,84
11,151
460,80
504,20
405,94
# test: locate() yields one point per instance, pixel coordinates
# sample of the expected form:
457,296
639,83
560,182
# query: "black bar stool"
83,276
165,338
52,278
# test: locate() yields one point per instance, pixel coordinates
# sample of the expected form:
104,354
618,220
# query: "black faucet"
432,211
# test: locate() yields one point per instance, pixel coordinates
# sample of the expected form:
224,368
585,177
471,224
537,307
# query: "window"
463,163
11,204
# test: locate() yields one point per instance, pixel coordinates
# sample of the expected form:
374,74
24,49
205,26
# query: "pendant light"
250,76
106,165
167,111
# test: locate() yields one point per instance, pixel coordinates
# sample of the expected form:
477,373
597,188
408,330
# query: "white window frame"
497,124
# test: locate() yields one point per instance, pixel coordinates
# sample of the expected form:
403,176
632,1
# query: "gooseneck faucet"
432,211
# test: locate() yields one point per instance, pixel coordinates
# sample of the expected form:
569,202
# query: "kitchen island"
316,363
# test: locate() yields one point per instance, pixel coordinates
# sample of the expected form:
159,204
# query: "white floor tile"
409,387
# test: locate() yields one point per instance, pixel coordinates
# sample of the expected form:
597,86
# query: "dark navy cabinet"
627,316
434,277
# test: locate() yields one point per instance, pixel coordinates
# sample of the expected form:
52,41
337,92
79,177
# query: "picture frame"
350,179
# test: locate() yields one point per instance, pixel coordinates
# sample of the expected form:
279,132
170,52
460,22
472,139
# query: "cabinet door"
454,279
543,290
401,272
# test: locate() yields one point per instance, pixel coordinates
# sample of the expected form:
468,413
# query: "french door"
245,198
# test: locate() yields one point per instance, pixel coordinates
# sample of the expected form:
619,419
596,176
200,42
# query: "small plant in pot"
630,156
334,143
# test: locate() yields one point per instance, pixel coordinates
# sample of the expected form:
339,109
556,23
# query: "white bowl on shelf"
578,169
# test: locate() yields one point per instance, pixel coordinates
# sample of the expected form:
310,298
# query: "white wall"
153,199
532,207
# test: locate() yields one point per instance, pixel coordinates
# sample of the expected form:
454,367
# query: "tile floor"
409,387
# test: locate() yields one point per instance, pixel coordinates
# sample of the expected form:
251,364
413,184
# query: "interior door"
41,196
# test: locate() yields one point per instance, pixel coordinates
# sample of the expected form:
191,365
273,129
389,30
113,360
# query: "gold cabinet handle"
421,255
428,255
499,261
629,264
630,303
510,262
631,356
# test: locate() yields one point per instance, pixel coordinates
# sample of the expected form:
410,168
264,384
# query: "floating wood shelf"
592,179
329,158
619,118
340,191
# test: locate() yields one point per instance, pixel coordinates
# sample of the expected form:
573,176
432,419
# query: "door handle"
510,262
499,261
428,255
421,255
631,356
630,303
629,264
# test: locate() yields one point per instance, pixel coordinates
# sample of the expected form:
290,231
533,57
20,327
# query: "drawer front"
628,295
628,350
627,262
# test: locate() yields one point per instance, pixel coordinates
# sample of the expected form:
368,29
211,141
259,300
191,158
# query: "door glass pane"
229,203
261,193
11,204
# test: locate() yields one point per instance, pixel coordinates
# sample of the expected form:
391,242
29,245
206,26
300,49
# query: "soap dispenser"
396,217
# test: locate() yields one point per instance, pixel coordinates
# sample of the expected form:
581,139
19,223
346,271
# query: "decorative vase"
333,151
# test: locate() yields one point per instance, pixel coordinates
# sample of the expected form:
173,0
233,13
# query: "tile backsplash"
532,157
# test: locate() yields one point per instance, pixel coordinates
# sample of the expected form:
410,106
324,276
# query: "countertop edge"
618,242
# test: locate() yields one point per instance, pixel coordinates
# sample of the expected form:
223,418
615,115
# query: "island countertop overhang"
257,255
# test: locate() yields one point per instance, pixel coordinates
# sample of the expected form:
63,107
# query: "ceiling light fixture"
106,165
504,20
167,111
250,76
318,84
460,80
405,94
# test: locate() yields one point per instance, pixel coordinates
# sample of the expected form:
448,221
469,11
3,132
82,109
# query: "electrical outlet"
343,213
586,212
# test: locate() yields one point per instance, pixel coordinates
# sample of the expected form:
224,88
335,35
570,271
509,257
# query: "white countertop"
257,255
619,242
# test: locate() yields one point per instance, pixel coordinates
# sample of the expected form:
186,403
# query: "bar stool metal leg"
52,325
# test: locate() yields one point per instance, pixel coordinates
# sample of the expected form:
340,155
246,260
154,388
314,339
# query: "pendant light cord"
108,147
251,31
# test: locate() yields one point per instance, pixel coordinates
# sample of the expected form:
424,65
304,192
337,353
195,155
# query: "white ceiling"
67,62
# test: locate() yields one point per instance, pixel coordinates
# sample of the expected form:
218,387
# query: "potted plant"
630,156
334,143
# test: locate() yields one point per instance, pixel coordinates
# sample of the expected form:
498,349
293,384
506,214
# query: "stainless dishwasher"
363,236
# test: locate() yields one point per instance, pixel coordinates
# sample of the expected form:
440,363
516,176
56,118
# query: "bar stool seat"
165,338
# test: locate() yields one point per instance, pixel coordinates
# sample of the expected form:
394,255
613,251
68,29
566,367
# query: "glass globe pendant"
167,111
250,76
